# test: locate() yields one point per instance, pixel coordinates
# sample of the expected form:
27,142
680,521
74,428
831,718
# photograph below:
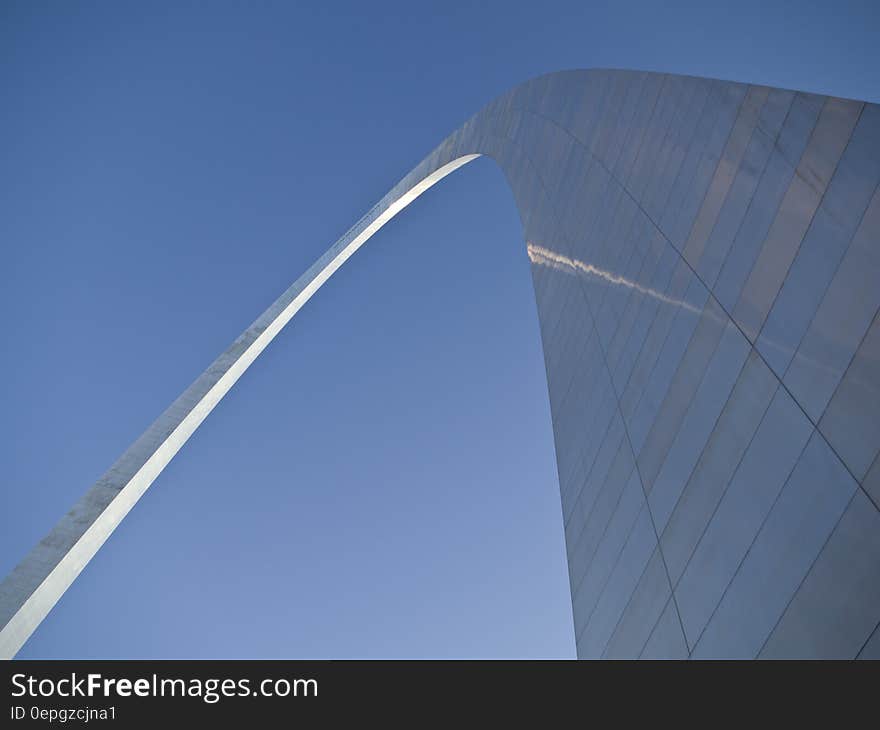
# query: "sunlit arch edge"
38,582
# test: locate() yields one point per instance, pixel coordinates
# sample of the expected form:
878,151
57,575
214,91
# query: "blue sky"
381,483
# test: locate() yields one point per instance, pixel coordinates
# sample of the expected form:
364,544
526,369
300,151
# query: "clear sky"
381,483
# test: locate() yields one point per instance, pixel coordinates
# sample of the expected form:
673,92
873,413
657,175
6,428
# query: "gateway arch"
706,265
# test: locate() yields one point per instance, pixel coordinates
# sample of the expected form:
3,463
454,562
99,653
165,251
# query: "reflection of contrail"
560,262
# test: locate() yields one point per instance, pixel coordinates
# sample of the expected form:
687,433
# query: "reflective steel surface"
706,265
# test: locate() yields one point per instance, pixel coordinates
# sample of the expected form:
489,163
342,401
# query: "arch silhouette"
702,257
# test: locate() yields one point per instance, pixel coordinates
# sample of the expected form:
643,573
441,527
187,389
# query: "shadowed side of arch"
706,265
